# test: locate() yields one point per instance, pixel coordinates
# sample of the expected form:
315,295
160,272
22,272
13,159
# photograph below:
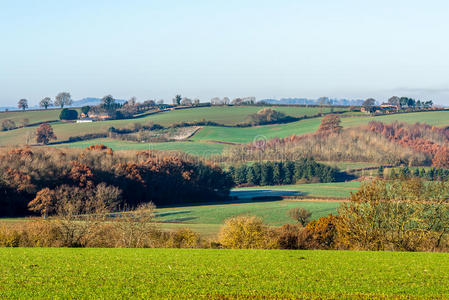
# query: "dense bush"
353,144
141,177
269,116
130,229
8,125
244,232
289,172
68,114
403,215
423,138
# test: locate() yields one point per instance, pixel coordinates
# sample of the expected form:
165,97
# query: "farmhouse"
84,120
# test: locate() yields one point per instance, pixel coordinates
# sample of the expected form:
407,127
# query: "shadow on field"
265,195
171,213
178,220
237,197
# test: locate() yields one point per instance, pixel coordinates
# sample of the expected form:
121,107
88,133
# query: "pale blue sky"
156,49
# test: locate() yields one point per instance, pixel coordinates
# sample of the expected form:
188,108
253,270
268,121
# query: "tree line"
45,177
287,172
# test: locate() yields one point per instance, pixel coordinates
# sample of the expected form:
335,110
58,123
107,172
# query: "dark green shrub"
68,114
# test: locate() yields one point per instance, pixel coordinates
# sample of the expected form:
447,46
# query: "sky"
268,49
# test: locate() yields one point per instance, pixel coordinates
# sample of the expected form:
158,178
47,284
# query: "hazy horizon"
154,50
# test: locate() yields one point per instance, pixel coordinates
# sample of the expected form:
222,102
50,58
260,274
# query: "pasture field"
349,165
218,274
207,219
226,115
190,147
249,134
246,135
229,115
333,190
35,116
434,118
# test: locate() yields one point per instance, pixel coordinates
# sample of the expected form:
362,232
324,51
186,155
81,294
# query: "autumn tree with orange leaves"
44,134
330,124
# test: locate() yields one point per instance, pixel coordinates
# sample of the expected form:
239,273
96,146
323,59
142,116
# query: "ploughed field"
207,273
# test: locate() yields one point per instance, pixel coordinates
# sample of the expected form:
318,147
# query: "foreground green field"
218,274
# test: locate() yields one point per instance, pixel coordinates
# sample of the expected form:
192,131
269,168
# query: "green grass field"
318,190
348,165
249,134
206,219
246,135
35,116
227,115
221,274
190,147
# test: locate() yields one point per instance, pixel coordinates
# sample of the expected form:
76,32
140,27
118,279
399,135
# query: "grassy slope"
226,115
207,219
194,148
248,134
326,190
194,273
272,212
223,114
32,116
245,135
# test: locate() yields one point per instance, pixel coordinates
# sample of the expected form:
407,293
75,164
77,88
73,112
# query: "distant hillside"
92,101
304,101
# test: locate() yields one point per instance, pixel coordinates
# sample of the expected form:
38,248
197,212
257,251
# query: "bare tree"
46,102
186,102
301,215
22,104
63,99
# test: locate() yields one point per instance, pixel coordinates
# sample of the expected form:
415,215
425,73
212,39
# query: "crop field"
218,274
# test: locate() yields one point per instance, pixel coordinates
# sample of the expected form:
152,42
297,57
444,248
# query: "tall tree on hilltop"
177,100
46,102
108,102
22,104
63,99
